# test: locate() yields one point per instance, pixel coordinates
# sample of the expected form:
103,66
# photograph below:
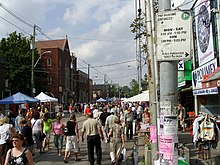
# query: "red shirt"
87,110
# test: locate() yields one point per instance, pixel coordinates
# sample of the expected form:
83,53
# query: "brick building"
61,68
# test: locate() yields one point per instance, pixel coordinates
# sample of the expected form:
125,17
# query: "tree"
15,49
134,87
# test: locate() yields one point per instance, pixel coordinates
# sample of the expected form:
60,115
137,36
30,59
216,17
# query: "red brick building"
61,68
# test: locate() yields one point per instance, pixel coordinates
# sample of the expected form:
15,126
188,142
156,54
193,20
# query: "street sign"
173,35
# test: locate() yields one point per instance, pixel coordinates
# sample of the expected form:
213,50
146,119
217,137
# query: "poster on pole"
153,134
170,125
166,147
174,29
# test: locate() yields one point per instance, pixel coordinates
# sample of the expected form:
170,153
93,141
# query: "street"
51,157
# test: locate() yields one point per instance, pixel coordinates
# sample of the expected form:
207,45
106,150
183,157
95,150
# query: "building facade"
60,67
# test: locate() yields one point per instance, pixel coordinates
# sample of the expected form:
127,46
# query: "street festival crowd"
30,131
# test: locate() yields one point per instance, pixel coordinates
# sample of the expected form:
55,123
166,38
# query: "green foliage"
134,87
15,49
139,29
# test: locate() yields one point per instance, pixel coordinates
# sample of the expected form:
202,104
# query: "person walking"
27,133
18,155
110,120
93,131
58,130
6,130
72,138
22,114
129,125
37,130
181,117
102,119
47,128
116,141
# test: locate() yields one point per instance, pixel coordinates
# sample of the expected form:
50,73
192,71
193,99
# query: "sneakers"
59,154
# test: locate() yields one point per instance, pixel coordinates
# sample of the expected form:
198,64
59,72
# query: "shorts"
71,143
47,135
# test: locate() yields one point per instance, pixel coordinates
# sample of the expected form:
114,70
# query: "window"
49,61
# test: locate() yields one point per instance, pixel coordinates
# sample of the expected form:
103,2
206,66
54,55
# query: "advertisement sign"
204,35
166,147
173,39
153,134
199,73
181,79
170,125
207,91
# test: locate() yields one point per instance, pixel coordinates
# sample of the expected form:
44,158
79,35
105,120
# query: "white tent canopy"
45,98
101,100
144,96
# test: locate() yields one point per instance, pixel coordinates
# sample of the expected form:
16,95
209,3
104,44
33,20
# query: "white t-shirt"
5,132
36,125
95,113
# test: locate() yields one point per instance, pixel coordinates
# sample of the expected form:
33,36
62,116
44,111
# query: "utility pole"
104,85
151,75
168,99
32,62
139,50
88,83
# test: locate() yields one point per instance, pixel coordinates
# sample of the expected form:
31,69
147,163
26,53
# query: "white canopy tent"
45,98
144,96
101,100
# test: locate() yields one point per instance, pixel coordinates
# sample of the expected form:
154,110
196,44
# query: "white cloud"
98,30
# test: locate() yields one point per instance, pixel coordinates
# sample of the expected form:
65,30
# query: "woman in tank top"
72,138
18,155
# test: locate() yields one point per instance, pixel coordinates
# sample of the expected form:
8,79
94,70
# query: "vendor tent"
101,100
144,96
18,98
45,98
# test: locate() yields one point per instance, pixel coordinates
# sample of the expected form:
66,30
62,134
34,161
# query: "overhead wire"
30,24
15,26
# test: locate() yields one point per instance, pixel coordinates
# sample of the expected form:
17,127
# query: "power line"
96,39
16,16
15,25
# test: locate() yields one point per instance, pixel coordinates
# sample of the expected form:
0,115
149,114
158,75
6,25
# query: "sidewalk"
186,139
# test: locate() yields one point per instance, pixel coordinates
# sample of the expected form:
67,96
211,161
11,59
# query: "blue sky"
98,32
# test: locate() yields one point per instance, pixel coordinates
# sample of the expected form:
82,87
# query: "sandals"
65,161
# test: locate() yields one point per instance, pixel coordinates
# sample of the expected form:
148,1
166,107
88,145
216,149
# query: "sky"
98,32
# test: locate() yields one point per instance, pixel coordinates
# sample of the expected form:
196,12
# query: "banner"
204,34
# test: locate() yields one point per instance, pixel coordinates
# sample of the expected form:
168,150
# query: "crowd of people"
112,123
31,132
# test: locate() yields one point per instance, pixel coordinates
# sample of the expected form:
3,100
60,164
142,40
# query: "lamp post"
32,70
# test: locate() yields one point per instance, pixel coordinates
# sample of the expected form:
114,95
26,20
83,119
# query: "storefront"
209,95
